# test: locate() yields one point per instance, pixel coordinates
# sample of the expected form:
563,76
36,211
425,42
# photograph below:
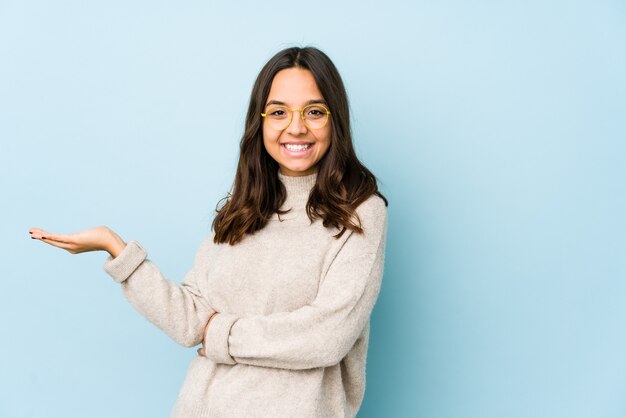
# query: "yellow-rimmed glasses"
279,117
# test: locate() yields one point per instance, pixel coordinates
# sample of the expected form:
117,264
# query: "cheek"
325,150
325,139
270,138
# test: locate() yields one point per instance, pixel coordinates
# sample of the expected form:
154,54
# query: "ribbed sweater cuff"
217,338
126,262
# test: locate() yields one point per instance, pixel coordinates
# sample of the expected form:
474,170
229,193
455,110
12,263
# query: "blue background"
496,130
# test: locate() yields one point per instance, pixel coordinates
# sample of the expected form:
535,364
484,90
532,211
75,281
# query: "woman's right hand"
100,238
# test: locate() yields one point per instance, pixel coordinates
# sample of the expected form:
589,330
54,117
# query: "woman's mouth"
297,150
297,147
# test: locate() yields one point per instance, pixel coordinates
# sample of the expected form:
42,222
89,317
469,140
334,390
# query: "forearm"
175,309
180,311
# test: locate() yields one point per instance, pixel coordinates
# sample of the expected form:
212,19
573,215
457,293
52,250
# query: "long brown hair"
342,182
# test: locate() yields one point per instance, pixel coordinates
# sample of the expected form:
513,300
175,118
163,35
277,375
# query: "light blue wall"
496,130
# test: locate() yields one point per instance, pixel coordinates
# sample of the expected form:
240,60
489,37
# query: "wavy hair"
342,183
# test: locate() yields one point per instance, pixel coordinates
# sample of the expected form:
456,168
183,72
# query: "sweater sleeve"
180,310
321,333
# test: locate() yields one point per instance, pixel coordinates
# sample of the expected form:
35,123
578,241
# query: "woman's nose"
297,126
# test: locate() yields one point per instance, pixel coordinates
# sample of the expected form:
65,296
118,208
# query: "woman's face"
295,88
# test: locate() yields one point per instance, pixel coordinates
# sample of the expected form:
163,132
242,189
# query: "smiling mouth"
298,147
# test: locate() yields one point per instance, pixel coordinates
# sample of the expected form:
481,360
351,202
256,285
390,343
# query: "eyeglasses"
279,117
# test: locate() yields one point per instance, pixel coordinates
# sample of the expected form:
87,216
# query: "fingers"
35,232
201,350
38,233
57,238
63,245
52,239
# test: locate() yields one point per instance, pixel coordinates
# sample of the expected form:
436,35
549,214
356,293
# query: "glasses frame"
301,111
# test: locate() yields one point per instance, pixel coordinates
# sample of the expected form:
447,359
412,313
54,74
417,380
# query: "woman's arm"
322,333
181,311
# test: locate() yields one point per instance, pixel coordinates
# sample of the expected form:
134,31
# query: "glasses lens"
315,116
278,116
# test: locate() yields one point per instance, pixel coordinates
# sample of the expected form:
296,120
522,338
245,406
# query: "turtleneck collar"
298,188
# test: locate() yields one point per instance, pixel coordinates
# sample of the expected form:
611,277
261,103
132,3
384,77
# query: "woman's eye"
316,113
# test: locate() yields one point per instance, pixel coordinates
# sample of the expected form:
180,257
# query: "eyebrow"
278,102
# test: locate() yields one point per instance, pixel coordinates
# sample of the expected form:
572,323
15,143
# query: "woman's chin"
295,171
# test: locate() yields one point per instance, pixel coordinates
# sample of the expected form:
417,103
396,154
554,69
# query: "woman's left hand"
201,351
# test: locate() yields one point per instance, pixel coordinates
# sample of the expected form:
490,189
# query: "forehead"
294,86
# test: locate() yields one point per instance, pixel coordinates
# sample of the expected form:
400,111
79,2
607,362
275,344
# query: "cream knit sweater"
294,304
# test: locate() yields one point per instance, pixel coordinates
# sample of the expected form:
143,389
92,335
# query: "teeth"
291,147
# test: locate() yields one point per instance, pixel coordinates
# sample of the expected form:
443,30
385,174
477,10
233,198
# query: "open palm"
93,239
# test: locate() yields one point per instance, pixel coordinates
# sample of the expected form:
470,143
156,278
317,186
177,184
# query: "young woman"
281,292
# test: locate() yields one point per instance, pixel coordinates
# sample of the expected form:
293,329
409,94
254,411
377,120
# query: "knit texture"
291,334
